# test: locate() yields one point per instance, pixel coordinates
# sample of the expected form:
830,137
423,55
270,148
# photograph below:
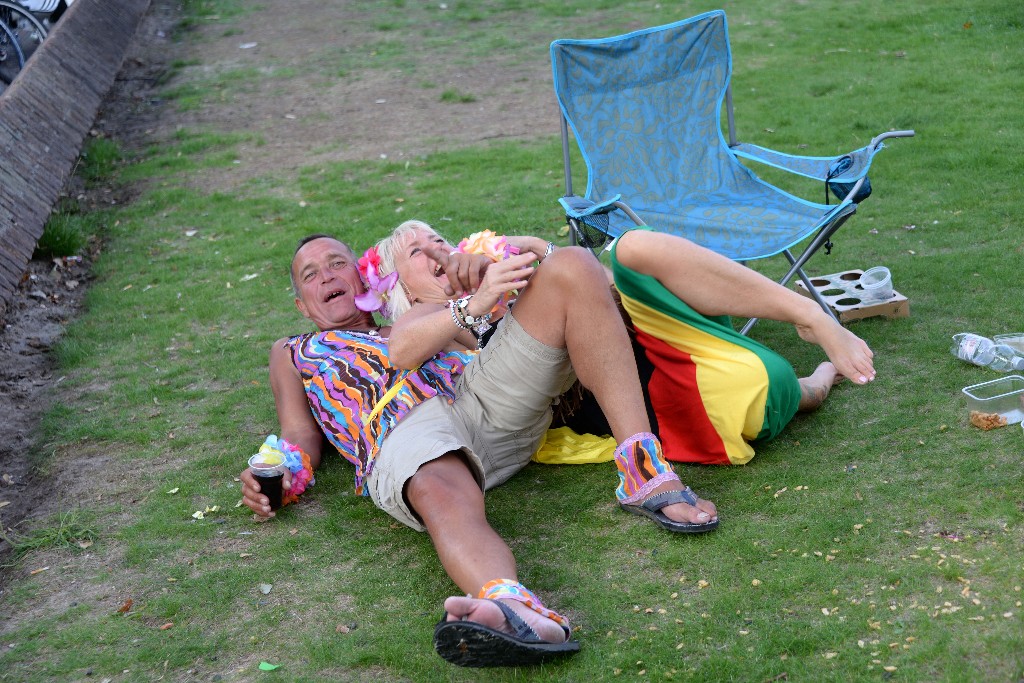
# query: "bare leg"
713,285
568,305
814,389
447,498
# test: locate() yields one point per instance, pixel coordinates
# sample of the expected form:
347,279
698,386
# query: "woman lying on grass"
710,391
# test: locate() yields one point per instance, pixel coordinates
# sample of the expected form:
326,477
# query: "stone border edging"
45,115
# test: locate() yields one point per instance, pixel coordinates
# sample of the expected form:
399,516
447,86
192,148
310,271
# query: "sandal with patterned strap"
643,468
651,508
468,643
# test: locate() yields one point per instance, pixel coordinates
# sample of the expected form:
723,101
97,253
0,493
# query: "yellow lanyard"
390,394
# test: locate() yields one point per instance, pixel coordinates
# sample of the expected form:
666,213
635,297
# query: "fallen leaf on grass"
342,628
84,544
125,607
267,666
37,571
166,626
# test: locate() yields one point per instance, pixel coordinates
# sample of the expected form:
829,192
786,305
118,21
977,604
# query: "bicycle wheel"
21,34
11,59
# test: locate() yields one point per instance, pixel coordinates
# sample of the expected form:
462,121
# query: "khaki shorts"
500,415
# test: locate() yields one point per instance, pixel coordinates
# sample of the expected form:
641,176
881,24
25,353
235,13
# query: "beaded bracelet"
456,315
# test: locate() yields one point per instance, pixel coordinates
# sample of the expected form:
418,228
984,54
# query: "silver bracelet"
547,251
461,324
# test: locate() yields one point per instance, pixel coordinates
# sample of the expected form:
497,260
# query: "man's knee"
440,484
573,267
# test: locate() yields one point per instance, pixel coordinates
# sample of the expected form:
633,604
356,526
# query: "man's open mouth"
334,294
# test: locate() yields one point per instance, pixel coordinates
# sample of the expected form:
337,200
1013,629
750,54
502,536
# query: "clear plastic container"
1014,340
1004,396
877,284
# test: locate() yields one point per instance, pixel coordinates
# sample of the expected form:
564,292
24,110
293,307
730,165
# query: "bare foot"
848,352
489,614
814,388
704,512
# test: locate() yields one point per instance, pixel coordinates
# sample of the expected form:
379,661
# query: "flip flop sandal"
651,508
467,643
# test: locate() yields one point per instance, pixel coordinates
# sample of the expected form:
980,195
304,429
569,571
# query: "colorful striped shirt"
347,374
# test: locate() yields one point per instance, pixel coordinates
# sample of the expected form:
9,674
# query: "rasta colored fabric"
346,374
712,390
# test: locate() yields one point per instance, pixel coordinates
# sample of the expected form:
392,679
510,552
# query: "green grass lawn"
878,539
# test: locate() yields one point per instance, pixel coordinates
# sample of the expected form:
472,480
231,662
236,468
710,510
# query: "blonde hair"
388,249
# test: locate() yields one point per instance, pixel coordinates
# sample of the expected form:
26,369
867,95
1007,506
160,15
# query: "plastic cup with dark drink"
268,468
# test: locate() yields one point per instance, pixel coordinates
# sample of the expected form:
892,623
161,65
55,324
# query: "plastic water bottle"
979,350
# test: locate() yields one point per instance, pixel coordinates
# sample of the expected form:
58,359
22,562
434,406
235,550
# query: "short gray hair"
303,242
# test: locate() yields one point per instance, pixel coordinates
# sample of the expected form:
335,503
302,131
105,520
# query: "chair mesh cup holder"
590,231
842,188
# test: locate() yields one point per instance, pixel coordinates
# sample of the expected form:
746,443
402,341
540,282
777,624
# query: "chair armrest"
580,207
821,168
816,168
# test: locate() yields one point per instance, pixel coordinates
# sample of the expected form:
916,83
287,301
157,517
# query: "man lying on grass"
419,441
419,445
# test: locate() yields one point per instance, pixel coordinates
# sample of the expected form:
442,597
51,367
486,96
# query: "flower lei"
488,244
495,247
296,460
378,289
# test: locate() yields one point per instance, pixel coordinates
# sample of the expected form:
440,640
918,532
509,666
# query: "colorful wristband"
298,463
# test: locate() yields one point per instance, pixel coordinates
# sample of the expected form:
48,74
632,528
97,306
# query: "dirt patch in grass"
284,80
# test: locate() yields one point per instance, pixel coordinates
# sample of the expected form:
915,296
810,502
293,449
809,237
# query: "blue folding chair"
645,110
